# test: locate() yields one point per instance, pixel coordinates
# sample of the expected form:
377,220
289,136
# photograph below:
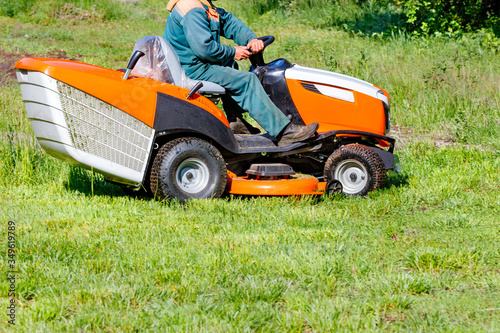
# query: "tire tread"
160,192
364,154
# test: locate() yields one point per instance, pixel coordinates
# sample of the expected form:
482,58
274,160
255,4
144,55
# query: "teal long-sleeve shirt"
195,37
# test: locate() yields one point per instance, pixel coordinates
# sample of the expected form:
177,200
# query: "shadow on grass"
396,180
90,184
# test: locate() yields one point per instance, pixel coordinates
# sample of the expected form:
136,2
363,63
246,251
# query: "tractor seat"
161,63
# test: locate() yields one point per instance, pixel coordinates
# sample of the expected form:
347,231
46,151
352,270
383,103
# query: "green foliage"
442,16
12,8
370,16
362,16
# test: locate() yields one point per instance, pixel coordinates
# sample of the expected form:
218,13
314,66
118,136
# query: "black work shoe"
241,126
296,133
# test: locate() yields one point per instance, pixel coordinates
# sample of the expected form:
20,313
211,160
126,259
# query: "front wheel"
188,168
358,168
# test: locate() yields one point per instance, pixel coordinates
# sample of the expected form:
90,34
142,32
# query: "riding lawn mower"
151,128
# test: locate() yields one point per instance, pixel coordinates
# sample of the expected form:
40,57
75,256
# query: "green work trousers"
246,89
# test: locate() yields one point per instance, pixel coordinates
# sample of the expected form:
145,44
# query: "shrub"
370,16
11,8
427,16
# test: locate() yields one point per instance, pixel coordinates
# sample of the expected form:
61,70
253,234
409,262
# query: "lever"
193,90
132,62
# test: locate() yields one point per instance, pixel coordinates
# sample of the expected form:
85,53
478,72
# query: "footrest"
255,141
264,143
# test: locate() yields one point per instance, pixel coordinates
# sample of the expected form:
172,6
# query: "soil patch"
9,60
405,136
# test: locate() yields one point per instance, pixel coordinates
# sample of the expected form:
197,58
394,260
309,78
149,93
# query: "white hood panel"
318,76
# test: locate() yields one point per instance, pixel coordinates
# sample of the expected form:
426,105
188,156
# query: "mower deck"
296,185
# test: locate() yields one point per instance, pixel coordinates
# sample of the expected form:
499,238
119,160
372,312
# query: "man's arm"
199,37
234,29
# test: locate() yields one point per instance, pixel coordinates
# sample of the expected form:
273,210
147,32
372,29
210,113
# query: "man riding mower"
155,128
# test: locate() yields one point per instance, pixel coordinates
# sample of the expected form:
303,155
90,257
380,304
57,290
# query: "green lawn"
421,254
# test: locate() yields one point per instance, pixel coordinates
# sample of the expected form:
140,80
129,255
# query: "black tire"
188,168
358,168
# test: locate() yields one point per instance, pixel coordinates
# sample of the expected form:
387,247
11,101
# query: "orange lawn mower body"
154,129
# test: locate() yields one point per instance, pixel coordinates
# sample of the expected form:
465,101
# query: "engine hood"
318,76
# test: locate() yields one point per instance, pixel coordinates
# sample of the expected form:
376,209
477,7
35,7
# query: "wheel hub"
353,176
192,175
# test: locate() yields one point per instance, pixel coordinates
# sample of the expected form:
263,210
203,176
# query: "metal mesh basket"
100,129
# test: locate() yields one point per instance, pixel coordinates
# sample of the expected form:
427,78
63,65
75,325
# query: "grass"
421,254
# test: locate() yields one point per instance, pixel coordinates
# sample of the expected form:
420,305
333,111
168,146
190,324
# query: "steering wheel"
258,59
268,40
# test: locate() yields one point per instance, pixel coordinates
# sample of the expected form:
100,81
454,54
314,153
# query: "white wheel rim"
192,175
353,176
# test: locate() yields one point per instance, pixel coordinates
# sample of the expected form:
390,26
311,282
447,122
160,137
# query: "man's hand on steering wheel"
255,45
241,53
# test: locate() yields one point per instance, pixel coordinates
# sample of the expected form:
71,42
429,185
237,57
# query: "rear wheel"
358,168
188,168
